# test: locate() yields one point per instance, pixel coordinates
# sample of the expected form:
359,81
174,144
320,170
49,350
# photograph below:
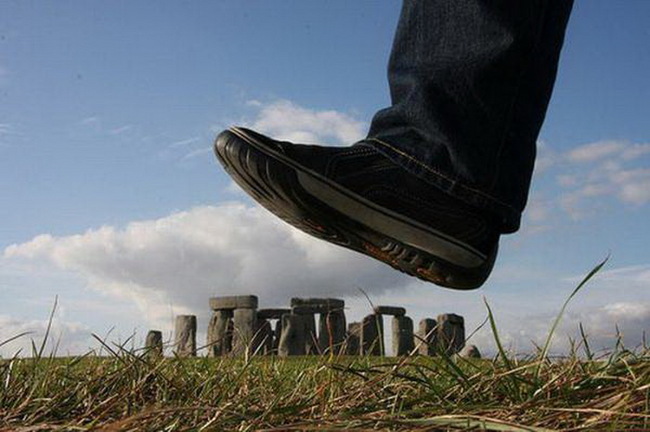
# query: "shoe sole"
324,209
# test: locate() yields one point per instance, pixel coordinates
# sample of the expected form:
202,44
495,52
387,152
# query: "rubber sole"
327,211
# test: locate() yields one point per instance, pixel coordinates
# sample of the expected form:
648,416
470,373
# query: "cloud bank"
182,259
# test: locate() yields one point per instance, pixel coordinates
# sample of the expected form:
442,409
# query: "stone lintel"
330,303
272,313
233,302
309,309
390,310
452,318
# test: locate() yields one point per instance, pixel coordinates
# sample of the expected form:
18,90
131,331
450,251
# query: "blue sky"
111,199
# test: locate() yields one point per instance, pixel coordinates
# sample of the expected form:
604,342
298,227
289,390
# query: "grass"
131,390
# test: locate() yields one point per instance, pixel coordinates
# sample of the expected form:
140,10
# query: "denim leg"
470,81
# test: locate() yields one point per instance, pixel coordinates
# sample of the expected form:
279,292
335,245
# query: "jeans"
470,82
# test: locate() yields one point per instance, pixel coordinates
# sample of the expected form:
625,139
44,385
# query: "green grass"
134,392
130,390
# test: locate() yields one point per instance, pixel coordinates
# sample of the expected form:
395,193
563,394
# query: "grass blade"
497,340
547,344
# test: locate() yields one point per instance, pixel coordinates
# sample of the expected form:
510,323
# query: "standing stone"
185,332
244,322
451,333
263,339
154,343
311,338
470,351
354,337
402,327
219,340
427,340
372,335
331,331
292,341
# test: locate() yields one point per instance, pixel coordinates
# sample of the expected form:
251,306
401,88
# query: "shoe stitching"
439,174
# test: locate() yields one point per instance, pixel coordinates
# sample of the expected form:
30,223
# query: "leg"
445,170
470,82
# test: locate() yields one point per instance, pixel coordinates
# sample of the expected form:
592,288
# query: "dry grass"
134,392
130,390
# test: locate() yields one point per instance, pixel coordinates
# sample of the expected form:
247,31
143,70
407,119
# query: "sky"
112,202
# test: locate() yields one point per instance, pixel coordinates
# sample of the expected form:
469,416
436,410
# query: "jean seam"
441,175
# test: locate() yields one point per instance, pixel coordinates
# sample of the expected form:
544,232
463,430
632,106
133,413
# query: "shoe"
357,198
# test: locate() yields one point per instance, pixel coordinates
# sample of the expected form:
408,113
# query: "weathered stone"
263,339
272,313
390,310
427,340
372,335
219,340
403,343
331,303
451,333
244,322
292,341
470,351
311,338
154,343
352,346
331,331
185,336
309,309
233,302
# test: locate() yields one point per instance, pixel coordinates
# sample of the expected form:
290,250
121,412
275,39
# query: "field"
128,389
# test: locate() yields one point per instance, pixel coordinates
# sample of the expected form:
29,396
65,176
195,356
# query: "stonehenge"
372,335
403,342
352,346
451,333
220,329
292,340
185,331
470,351
427,339
238,327
154,343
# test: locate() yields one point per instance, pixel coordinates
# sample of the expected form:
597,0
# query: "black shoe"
357,198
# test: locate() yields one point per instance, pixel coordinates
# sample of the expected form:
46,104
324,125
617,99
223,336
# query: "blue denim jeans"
470,82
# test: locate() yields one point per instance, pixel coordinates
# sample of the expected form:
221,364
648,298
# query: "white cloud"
545,158
286,120
603,169
8,133
182,259
636,150
65,337
595,151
